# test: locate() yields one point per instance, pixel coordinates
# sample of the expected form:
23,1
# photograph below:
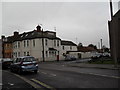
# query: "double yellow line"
43,84
35,83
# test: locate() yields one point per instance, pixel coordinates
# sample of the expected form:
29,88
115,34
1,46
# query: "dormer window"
22,36
33,33
26,35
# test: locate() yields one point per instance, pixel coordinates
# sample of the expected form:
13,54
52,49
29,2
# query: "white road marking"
105,75
53,75
44,72
11,84
101,75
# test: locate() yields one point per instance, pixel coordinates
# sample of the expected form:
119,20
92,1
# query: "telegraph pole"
111,9
101,43
43,46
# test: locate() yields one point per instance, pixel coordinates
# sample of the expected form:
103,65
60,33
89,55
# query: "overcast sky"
84,22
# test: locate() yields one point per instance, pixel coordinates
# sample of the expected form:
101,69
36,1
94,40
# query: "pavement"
100,66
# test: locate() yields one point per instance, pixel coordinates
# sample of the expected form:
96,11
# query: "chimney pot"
38,28
16,33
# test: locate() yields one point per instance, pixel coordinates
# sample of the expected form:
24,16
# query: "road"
10,82
59,75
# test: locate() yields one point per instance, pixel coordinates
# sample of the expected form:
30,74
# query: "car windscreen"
29,59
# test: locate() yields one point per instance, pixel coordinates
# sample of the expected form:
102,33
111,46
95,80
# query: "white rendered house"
43,45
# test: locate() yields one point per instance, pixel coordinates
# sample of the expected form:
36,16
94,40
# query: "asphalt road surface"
58,75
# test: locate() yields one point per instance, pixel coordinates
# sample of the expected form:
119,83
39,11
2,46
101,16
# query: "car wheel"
19,71
11,69
35,71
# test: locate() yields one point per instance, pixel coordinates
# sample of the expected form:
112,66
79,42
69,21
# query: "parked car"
96,56
6,62
25,63
106,54
70,58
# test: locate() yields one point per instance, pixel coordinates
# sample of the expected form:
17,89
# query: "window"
18,44
49,52
55,53
54,42
26,35
24,53
15,45
27,43
63,47
57,42
46,42
52,52
16,54
58,52
70,47
28,54
19,54
46,53
33,43
7,45
24,43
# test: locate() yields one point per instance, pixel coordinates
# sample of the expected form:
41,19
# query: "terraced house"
43,45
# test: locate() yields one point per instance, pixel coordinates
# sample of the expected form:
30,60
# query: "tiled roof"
68,43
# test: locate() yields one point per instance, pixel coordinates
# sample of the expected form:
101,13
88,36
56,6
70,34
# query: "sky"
84,22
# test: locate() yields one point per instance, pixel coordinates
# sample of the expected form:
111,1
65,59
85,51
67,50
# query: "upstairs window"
27,43
46,53
63,48
19,54
24,43
46,42
33,43
18,44
57,42
54,42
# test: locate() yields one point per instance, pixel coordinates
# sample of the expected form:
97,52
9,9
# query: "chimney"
2,36
38,28
16,33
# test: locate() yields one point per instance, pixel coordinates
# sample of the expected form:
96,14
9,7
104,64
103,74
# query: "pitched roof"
34,34
63,42
31,35
117,14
